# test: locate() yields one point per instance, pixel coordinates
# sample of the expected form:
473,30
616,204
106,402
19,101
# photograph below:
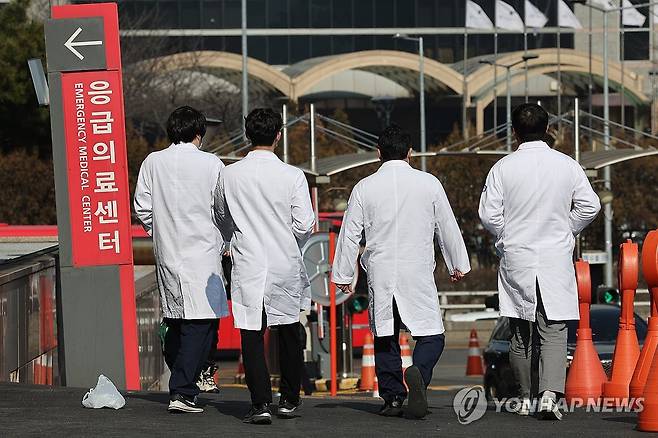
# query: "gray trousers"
538,349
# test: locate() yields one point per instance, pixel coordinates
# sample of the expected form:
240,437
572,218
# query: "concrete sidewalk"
44,411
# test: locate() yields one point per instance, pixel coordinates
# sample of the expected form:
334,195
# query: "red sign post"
93,205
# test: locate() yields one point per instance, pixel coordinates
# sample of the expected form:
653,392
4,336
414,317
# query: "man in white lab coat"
535,201
401,210
264,209
173,201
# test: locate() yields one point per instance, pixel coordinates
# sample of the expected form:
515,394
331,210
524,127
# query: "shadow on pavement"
628,420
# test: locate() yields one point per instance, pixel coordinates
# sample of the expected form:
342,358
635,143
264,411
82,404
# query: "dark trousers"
388,364
186,347
212,353
291,361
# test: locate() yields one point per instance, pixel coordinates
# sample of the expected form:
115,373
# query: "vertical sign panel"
96,162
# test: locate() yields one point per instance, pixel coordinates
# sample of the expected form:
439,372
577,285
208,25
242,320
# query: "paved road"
41,411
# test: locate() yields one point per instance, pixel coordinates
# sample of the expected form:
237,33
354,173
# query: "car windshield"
604,322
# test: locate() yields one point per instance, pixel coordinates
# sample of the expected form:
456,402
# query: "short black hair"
262,126
184,124
530,122
394,143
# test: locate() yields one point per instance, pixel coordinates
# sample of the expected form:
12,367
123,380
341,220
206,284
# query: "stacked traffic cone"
405,352
586,376
648,418
375,388
239,377
368,377
474,362
627,348
649,258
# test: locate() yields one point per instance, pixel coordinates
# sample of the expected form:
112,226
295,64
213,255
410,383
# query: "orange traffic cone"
239,377
648,418
405,352
375,389
368,377
474,361
627,348
649,267
586,376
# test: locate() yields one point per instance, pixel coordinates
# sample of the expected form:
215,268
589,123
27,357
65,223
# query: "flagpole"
464,90
525,52
559,76
495,90
621,61
591,81
652,48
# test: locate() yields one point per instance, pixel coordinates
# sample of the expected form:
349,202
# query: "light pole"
421,67
525,58
245,73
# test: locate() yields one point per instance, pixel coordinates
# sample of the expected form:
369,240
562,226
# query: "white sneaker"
178,403
523,408
206,382
548,408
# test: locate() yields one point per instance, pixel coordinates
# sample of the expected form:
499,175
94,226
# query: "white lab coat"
264,209
401,210
535,201
173,201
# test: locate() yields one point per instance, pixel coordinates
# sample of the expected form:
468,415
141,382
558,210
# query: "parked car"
499,380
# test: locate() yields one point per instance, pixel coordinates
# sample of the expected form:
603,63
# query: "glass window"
405,13
299,13
385,13
342,13
214,43
168,14
277,13
190,14
426,13
320,13
299,48
365,42
277,50
232,14
320,46
363,13
212,15
257,48
343,44
256,13
636,46
385,42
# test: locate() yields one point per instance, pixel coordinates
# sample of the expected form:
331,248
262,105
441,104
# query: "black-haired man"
264,209
173,201
401,210
535,201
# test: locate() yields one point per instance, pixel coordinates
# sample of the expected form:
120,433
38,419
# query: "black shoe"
417,405
180,403
392,409
288,409
259,414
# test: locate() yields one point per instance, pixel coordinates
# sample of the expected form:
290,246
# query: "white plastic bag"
104,395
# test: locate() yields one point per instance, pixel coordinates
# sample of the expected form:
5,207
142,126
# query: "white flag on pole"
566,17
476,18
533,16
607,5
631,16
507,18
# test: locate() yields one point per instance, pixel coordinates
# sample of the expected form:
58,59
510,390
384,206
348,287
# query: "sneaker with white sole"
523,408
179,403
288,409
548,407
259,414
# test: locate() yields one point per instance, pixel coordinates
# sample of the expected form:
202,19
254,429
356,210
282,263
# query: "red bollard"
627,348
586,376
648,418
650,268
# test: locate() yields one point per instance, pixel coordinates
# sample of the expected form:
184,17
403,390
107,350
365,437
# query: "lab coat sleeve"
221,214
143,202
491,204
349,239
585,203
449,235
303,216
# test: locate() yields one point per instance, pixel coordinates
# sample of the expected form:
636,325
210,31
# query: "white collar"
533,145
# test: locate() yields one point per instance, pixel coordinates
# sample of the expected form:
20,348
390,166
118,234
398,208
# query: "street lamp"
525,58
421,68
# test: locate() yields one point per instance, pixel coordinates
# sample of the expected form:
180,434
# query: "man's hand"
345,288
456,276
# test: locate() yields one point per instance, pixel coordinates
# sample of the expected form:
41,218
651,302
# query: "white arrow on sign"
71,44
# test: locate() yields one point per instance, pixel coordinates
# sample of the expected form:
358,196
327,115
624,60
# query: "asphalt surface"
44,411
